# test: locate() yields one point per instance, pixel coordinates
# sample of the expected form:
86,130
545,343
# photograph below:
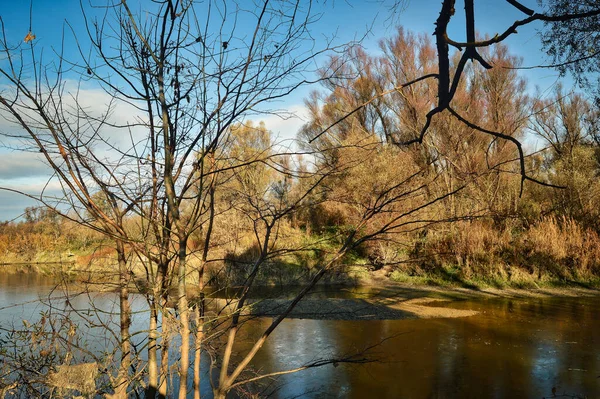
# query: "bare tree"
64,133
189,75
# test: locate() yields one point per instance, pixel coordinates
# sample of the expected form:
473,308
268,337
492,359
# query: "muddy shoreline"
398,302
357,309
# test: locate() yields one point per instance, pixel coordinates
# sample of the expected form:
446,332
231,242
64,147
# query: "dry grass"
553,249
78,377
566,244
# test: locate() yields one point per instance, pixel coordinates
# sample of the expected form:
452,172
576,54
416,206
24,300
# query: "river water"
513,348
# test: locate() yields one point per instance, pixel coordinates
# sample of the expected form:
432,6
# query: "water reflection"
511,349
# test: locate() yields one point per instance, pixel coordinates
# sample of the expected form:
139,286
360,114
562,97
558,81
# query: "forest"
471,220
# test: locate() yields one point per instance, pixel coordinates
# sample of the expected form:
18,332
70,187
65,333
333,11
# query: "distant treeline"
482,224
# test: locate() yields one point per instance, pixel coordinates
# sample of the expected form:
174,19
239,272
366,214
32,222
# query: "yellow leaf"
30,36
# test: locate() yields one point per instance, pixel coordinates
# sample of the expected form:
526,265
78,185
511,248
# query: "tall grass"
564,247
550,250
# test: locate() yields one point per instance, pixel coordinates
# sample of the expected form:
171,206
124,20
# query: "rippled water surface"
514,348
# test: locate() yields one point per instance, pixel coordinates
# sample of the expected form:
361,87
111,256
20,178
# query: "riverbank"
393,302
359,309
354,278
378,298
99,264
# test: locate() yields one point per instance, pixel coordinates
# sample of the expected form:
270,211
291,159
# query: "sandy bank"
395,302
358,309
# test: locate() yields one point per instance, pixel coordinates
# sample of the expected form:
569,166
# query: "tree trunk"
217,394
125,321
182,306
152,351
164,352
199,333
201,302
156,381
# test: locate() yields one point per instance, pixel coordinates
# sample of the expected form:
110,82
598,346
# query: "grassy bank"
447,277
483,253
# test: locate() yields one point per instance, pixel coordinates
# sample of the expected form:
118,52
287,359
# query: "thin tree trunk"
152,351
156,381
185,348
201,302
182,306
199,335
219,395
125,321
164,353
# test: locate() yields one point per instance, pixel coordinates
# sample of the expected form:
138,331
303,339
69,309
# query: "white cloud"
286,124
12,202
16,165
26,171
78,103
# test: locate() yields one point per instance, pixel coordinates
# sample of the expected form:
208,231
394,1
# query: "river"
513,348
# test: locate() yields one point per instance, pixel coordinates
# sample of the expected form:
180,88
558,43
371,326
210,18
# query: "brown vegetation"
410,164
489,231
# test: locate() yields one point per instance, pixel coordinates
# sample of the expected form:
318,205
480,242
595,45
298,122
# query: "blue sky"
346,19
